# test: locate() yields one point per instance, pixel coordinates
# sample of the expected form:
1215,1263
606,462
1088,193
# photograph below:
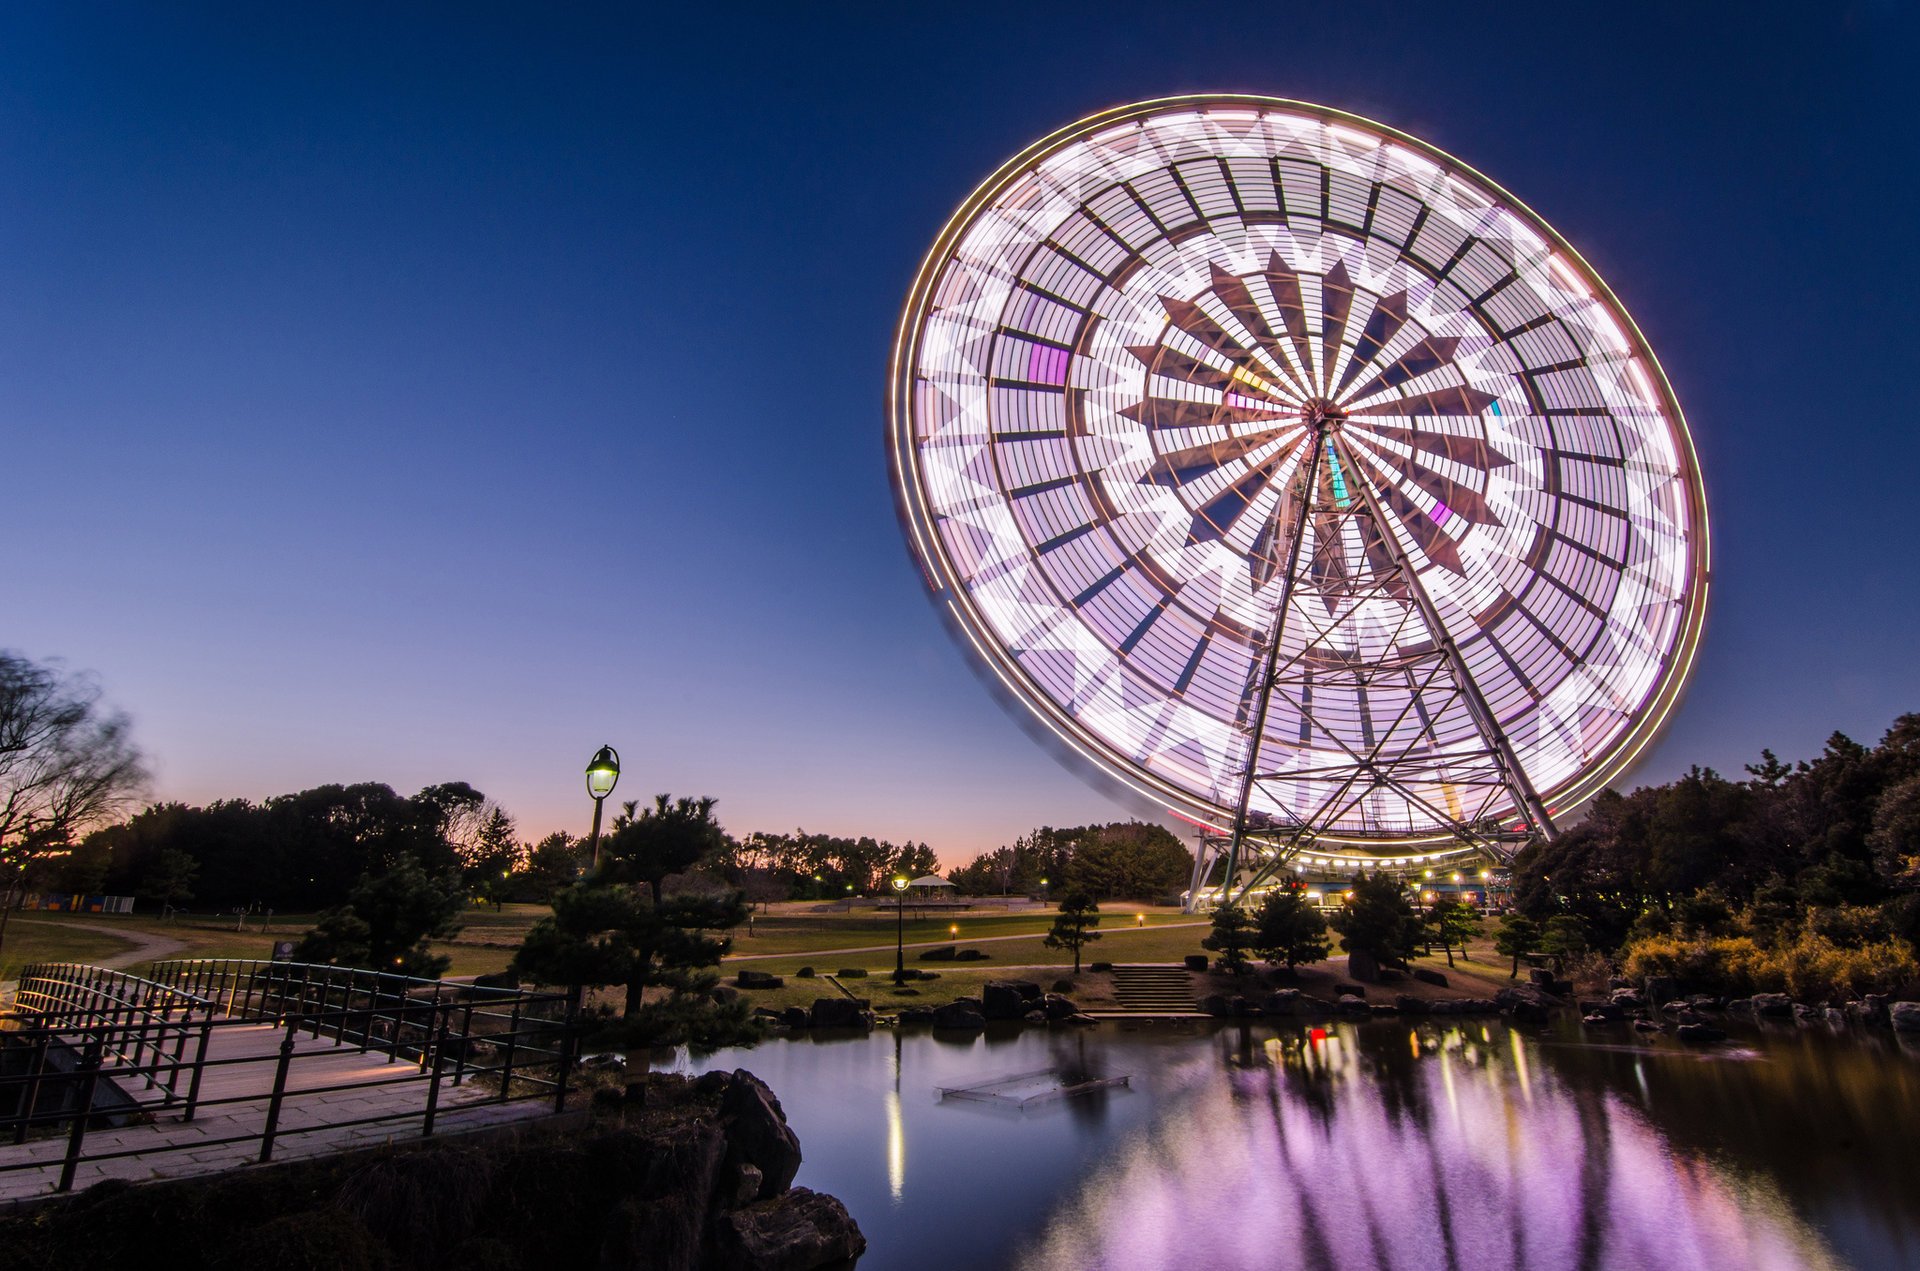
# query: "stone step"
1160,989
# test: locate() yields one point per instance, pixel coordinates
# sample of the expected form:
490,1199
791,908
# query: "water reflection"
1379,1145
1324,1152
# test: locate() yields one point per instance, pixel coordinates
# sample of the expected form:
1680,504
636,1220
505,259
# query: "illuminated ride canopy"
1196,372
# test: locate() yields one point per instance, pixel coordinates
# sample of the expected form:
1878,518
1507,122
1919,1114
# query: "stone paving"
326,1085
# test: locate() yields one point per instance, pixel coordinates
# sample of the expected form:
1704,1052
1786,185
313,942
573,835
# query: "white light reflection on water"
1300,1164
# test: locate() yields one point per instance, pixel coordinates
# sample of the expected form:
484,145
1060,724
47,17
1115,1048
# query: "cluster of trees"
296,851
1377,918
803,866
1130,860
1801,875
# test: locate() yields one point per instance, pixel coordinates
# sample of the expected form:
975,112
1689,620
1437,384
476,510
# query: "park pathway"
935,944
147,947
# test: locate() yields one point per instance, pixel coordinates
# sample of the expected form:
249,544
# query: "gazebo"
928,890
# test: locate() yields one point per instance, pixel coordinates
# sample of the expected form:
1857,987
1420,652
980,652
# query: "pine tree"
1452,924
1233,935
1073,926
1518,936
1289,928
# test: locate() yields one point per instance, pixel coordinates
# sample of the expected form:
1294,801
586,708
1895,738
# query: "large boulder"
942,954
840,1012
1363,966
758,980
1281,1002
1905,1017
1772,1005
1870,1009
1010,999
1408,1004
801,1230
757,1133
1427,975
961,1013
1217,1004
1351,1005
1196,962
1526,1003
1058,1007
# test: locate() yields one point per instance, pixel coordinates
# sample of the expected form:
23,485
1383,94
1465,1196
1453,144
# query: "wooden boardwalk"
327,1084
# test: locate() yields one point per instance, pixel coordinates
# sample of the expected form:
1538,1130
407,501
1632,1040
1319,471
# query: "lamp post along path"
603,772
900,931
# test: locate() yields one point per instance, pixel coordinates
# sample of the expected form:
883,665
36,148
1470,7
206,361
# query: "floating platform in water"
1024,1089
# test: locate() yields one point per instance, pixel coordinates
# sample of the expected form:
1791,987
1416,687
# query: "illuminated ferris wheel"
1301,478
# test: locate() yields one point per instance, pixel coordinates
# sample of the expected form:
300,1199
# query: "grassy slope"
36,941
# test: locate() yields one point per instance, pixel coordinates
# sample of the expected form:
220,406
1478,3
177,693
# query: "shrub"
1810,967
1723,965
1814,968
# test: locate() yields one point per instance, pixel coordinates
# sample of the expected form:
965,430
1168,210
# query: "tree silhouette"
66,764
1289,928
668,838
1073,925
1232,936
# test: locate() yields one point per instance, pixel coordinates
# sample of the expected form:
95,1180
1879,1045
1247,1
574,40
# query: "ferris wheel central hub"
1322,415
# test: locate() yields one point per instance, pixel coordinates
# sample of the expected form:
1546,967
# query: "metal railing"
79,1032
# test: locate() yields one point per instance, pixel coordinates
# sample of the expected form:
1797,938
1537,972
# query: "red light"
1316,1034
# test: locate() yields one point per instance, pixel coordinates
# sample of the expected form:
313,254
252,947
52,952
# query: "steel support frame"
1525,797
1288,840
1296,536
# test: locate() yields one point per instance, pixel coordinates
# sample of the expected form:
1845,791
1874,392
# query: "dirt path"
147,947
935,944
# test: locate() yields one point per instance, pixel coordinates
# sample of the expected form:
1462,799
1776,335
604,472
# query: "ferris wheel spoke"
1451,498
1451,399
1438,438
1245,368
1183,467
1232,292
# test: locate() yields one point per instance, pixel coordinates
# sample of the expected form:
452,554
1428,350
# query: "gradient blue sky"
427,393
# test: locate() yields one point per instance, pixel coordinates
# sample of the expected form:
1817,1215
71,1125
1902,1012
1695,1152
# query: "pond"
1456,1144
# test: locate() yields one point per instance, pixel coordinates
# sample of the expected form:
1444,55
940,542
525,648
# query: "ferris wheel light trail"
1301,478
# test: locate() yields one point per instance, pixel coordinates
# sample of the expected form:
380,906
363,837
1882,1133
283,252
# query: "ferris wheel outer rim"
1653,713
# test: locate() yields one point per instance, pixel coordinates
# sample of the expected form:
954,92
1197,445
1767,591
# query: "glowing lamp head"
899,884
603,771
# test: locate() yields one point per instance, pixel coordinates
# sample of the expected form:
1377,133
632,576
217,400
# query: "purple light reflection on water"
1399,1145
1323,1159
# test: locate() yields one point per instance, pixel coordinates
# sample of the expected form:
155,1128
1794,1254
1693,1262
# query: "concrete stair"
1160,990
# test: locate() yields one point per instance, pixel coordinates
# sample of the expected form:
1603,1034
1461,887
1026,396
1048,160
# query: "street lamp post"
900,928
603,771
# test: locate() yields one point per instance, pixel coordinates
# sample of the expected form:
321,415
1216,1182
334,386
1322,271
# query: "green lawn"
31,940
783,941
